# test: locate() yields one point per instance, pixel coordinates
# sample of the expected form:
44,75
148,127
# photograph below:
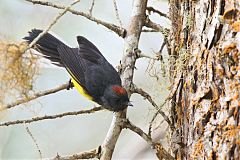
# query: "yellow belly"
80,89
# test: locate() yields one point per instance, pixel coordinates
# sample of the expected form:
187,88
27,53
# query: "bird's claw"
70,85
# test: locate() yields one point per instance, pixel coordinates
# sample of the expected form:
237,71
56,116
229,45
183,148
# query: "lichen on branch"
18,70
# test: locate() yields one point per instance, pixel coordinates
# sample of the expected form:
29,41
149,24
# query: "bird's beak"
130,104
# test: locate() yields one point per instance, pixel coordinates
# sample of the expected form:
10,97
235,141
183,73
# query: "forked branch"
149,98
160,151
52,23
118,30
157,27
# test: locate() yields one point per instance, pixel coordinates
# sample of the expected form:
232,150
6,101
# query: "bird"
90,73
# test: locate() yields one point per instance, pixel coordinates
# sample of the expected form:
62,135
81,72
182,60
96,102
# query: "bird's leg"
70,85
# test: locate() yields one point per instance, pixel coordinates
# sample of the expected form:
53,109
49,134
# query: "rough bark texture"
205,40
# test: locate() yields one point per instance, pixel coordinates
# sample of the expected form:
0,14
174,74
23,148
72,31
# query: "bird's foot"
70,85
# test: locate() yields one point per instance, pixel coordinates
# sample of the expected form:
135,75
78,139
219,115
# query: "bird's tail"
47,45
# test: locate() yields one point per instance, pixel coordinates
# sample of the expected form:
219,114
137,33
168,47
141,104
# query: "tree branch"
127,70
161,152
51,24
151,9
139,54
91,7
162,46
112,135
34,140
36,95
127,124
116,12
142,55
149,98
150,24
35,119
95,153
149,30
118,30
154,117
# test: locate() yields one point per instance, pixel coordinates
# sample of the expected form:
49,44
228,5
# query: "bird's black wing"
77,60
73,63
88,67
87,46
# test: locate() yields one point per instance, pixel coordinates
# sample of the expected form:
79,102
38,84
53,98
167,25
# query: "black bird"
91,74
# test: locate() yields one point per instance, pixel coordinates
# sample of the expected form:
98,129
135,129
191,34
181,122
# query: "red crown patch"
119,90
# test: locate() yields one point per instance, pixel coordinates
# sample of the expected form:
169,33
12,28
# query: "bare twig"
127,124
117,13
162,46
157,27
161,152
36,95
34,140
151,123
168,46
35,119
120,31
139,54
52,23
91,7
154,117
151,9
95,153
142,55
150,30
149,98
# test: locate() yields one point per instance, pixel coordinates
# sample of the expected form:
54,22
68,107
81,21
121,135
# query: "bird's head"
115,98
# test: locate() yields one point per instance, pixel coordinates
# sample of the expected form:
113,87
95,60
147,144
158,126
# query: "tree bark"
205,46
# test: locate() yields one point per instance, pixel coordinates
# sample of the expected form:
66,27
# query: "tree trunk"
205,51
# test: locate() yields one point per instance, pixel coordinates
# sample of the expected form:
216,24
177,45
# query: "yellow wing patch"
78,86
80,89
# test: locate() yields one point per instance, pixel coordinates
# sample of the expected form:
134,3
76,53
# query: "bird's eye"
117,100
